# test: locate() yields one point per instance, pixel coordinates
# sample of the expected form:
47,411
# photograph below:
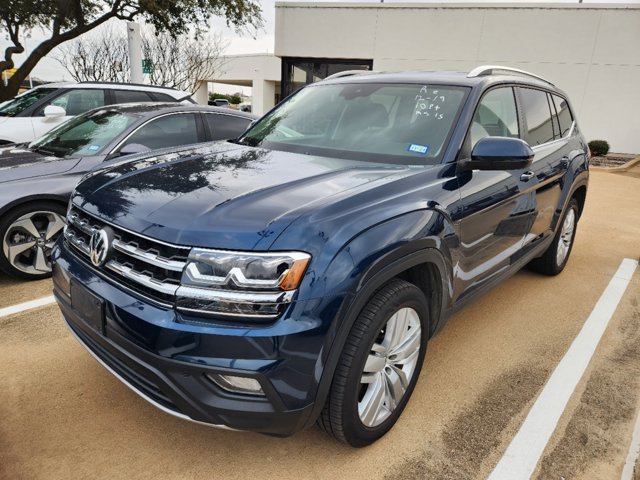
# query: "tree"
68,19
178,61
235,99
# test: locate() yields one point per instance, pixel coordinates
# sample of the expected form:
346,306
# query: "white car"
33,113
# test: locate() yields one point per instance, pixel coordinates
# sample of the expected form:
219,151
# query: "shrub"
599,148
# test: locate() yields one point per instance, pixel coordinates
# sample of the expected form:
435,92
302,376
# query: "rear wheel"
554,259
28,234
379,365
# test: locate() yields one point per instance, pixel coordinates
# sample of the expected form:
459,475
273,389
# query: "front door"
497,205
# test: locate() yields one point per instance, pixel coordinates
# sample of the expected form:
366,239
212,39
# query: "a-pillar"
263,96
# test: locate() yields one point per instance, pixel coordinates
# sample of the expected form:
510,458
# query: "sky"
238,42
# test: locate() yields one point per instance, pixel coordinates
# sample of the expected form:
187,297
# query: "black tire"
9,218
547,264
340,417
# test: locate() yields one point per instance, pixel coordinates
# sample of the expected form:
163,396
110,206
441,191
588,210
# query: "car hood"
223,195
18,162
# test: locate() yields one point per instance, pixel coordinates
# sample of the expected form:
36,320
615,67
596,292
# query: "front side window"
24,101
496,116
85,135
78,101
167,131
398,123
538,116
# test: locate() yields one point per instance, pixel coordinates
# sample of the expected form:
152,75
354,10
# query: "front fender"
370,260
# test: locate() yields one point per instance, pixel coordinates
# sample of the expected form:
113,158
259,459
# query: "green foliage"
235,100
69,19
599,148
216,96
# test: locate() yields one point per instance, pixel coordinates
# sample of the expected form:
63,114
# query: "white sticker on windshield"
416,148
93,148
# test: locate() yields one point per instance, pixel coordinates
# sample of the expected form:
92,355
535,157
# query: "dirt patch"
596,430
612,160
475,433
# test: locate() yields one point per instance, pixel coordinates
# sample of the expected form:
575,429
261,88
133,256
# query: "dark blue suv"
295,275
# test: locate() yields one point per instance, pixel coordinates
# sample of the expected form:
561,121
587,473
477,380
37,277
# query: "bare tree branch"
178,62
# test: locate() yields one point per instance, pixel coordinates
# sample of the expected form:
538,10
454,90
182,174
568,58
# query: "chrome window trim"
546,144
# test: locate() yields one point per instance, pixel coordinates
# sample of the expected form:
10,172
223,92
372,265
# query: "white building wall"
591,51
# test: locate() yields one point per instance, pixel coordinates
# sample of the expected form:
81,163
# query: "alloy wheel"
566,236
389,367
28,241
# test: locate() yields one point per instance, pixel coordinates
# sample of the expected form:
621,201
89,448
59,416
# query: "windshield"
87,134
396,123
24,101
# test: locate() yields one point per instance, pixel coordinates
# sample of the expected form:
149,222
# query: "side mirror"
132,148
53,111
500,153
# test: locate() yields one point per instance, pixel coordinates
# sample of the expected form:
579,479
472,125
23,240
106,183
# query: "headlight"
257,285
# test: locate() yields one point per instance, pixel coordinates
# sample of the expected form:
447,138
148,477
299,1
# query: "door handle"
526,176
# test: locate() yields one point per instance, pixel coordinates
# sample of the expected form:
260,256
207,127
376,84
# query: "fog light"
231,383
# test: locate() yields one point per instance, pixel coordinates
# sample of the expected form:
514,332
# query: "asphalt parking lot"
63,416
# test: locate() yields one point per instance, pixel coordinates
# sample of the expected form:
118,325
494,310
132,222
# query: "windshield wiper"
44,151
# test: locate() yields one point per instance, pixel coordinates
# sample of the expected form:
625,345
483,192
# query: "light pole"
135,52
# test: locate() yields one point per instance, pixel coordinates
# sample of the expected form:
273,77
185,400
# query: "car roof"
151,109
118,86
440,78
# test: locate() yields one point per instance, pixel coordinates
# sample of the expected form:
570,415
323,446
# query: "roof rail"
493,69
348,73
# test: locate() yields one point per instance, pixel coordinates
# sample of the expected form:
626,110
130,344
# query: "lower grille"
136,380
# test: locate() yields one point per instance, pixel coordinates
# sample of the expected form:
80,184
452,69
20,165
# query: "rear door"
542,131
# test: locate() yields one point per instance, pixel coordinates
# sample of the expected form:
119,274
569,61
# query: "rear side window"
162,97
496,116
131,96
167,131
564,114
538,116
225,127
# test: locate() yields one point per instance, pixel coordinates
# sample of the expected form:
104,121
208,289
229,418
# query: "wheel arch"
59,199
426,268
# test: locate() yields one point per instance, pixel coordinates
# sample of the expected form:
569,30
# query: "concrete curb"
622,168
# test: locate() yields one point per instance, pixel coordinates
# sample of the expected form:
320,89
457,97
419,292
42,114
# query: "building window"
298,72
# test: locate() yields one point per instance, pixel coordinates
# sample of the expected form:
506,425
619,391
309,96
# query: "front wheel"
28,234
379,365
555,258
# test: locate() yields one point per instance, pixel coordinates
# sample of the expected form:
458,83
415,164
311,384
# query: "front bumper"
165,360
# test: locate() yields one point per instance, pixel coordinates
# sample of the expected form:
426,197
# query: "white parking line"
523,453
634,453
22,307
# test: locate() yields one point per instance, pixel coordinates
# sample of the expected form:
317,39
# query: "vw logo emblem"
99,247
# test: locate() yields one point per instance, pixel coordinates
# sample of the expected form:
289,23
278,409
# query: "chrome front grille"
150,267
